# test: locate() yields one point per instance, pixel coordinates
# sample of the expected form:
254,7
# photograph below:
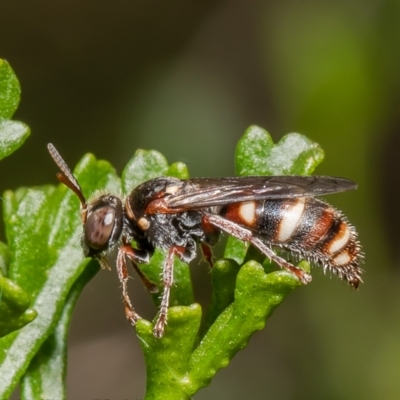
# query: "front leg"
140,256
136,256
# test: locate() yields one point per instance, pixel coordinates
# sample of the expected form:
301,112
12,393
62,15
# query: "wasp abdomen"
305,226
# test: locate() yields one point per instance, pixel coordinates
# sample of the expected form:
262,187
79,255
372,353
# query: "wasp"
178,215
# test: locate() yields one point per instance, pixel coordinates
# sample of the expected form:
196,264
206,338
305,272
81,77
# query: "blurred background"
187,78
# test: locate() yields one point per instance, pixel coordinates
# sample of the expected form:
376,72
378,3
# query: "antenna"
66,176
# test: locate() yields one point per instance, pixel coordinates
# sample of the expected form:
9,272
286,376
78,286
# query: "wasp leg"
168,278
140,256
247,236
122,271
124,251
207,254
303,276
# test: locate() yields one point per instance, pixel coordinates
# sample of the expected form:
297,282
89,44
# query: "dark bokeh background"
187,78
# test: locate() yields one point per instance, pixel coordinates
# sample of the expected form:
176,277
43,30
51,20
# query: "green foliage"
43,233
256,154
14,301
43,266
44,272
174,369
12,133
14,307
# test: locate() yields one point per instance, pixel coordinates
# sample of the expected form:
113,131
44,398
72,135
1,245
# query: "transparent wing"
207,192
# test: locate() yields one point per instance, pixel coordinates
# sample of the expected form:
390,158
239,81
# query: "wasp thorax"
103,225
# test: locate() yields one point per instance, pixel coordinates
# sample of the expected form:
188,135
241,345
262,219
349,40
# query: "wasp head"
102,216
103,226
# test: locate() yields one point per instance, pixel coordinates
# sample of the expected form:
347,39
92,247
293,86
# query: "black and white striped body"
305,226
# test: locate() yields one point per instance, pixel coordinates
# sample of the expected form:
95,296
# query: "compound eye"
99,227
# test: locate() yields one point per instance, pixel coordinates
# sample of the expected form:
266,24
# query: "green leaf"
178,170
14,307
45,376
12,136
223,278
12,133
235,249
257,294
294,154
167,359
10,91
5,258
14,301
43,229
173,372
144,165
149,164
